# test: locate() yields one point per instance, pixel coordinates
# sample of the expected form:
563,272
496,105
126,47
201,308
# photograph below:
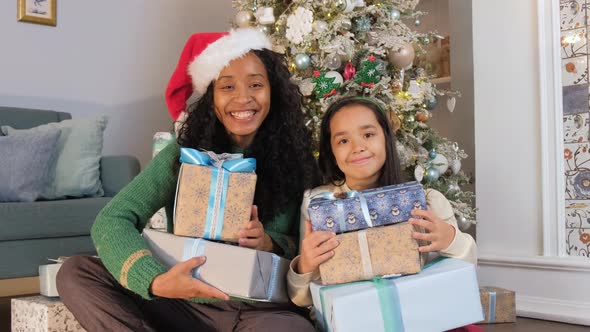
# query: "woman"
247,104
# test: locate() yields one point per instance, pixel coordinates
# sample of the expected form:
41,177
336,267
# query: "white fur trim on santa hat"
206,66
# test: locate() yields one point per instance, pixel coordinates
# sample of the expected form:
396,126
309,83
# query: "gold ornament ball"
403,57
292,67
244,18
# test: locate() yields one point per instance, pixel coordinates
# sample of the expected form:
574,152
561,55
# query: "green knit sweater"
116,231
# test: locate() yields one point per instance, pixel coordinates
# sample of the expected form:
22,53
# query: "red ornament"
349,71
316,73
372,58
365,85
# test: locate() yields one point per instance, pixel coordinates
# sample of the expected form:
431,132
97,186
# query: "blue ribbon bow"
229,162
222,165
340,209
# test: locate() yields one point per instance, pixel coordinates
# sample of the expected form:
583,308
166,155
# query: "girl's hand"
439,233
252,235
316,248
178,283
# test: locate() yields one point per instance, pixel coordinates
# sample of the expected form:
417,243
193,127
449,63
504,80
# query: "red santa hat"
204,56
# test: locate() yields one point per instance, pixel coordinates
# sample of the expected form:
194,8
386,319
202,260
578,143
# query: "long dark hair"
282,146
331,173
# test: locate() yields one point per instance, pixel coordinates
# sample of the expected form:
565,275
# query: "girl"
247,104
357,152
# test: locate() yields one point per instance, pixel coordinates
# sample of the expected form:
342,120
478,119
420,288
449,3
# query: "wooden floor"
522,324
534,325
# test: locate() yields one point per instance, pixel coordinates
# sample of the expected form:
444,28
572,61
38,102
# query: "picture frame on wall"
37,11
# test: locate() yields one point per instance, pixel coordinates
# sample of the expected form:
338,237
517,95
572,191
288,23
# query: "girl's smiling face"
241,97
358,144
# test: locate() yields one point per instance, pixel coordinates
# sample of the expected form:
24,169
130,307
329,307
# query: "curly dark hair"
331,173
285,165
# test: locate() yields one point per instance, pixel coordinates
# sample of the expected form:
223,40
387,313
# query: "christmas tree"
337,48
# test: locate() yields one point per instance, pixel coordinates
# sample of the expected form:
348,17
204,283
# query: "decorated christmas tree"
337,48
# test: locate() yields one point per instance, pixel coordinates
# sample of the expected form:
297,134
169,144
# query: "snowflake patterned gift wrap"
378,251
443,296
42,314
214,194
237,271
499,305
367,208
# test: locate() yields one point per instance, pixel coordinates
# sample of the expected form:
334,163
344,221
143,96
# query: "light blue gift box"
443,296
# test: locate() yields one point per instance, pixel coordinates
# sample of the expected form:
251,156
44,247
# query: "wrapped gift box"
443,296
238,272
161,139
42,314
214,195
499,305
379,251
363,209
47,274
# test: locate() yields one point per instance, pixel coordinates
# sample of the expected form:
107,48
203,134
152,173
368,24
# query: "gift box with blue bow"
443,296
364,209
214,194
237,271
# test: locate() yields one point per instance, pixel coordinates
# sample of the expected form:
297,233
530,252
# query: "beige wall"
110,56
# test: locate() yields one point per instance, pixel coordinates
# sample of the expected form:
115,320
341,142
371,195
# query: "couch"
30,233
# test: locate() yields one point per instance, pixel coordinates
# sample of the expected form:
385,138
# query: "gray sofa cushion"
49,219
24,164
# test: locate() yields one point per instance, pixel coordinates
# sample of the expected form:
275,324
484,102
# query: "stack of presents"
376,281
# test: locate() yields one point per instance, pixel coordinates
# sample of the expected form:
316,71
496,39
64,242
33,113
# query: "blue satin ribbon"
194,247
388,300
340,208
221,165
272,283
492,309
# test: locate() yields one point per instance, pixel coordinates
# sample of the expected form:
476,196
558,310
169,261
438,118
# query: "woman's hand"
178,283
316,248
439,233
252,235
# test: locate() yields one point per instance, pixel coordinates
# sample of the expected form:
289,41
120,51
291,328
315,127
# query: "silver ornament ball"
264,29
333,61
319,26
455,166
417,22
432,174
463,223
395,14
340,5
302,61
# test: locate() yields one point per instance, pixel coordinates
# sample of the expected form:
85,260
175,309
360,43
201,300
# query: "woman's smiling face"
241,97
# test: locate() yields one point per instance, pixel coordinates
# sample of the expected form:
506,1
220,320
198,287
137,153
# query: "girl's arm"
316,248
448,241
